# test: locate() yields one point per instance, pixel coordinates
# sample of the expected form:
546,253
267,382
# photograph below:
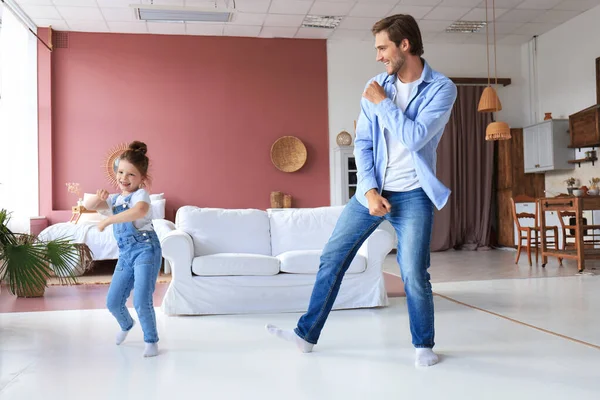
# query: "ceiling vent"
465,26
152,13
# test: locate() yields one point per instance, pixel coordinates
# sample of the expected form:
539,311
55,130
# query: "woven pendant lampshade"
497,131
489,101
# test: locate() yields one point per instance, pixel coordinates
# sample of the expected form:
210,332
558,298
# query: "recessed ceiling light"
182,14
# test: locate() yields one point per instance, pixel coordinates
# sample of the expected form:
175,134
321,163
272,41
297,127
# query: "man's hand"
378,205
374,93
102,194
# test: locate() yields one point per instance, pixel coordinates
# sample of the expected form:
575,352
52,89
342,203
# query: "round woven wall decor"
111,162
288,154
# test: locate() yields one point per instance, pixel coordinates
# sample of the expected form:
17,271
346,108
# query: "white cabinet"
344,178
545,146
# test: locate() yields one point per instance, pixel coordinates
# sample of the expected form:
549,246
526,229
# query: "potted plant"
27,262
571,182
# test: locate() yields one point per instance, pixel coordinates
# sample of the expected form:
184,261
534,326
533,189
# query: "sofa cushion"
307,262
235,264
302,229
217,230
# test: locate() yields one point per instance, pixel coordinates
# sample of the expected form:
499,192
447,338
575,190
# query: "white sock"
290,336
151,350
123,334
425,357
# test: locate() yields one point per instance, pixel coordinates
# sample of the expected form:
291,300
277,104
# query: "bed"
103,244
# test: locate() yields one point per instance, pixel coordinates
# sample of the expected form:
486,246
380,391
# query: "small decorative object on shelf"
547,116
73,187
281,200
571,183
594,184
276,200
344,139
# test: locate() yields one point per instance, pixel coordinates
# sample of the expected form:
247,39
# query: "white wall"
567,81
351,64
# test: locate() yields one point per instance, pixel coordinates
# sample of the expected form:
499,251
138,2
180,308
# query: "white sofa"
231,261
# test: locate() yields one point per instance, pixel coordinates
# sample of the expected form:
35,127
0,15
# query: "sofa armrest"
162,227
377,247
178,250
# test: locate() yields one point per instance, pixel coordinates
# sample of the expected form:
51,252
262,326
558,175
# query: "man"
403,115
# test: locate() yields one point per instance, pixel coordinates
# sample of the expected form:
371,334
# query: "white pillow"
158,208
158,196
86,196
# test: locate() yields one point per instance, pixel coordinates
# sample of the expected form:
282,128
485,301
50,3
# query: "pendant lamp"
489,101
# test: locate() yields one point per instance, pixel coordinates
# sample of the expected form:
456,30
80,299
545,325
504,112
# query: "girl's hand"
102,225
102,194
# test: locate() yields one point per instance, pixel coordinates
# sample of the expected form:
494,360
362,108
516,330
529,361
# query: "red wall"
209,109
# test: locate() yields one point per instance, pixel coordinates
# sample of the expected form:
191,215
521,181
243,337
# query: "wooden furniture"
532,233
546,146
77,211
511,181
598,80
584,127
576,205
568,231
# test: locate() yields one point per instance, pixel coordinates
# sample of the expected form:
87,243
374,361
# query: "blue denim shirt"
419,128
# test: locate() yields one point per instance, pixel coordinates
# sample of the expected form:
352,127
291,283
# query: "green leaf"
25,266
26,262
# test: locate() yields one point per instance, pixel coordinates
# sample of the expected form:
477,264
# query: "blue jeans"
412,219
140,256
137,269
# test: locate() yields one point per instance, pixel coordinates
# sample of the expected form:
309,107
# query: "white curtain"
19,177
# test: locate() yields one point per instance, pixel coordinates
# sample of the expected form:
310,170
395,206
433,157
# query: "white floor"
568,306
363,354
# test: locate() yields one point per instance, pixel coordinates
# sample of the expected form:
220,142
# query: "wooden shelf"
583,160
587,146
480,81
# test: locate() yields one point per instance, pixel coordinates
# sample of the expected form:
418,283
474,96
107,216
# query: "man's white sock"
290,336
425,357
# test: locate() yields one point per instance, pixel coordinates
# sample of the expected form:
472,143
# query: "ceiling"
517,20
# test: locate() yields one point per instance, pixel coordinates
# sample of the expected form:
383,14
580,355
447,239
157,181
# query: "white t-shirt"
400,175
143,224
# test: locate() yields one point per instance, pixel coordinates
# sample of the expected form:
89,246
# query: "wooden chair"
568,231
531,234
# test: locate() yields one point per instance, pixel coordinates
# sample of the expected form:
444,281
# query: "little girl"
139,248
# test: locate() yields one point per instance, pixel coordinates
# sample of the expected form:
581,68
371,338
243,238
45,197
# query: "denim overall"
139,261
